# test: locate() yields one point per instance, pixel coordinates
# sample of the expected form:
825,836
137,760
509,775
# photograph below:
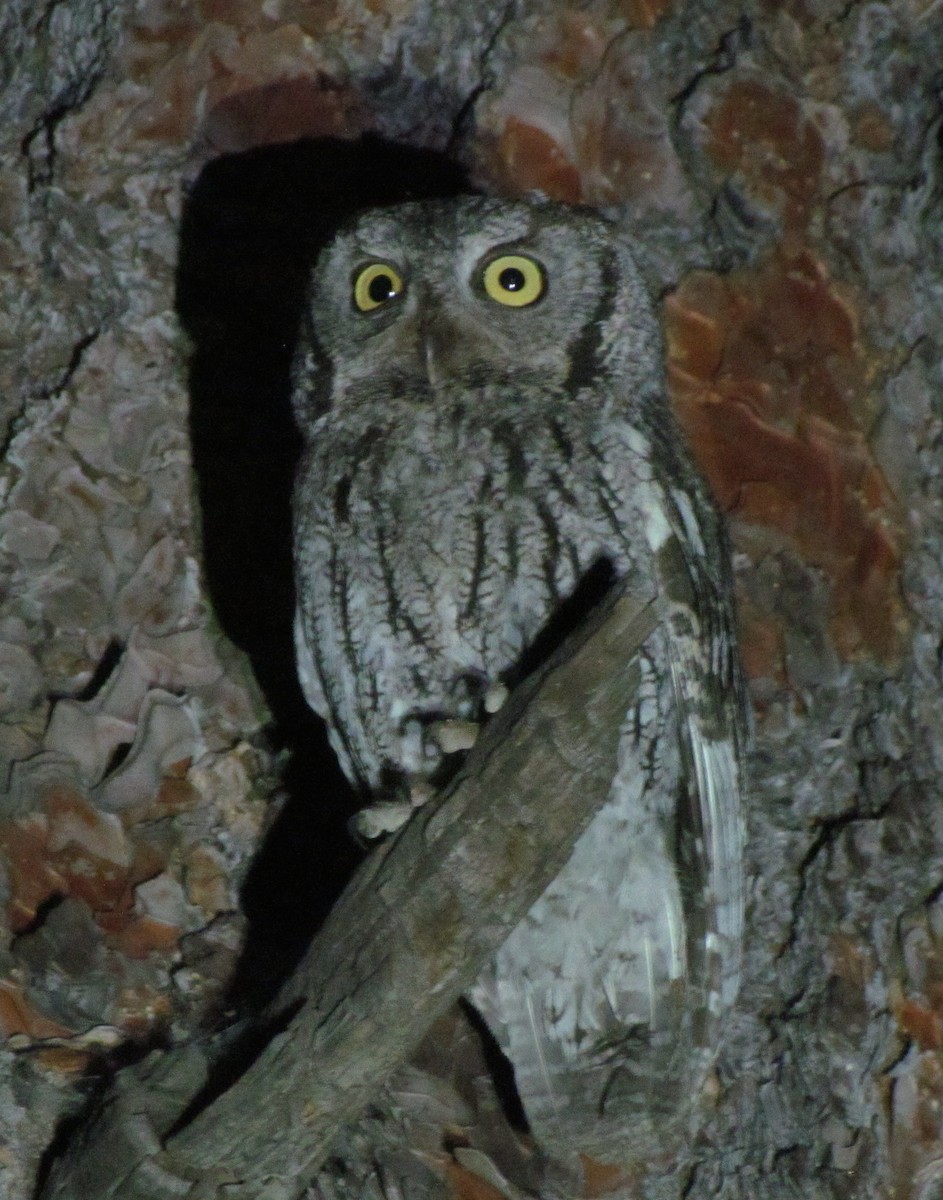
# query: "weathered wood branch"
410,933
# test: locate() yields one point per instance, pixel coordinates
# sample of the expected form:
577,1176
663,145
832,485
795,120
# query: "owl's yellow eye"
514,279
375,284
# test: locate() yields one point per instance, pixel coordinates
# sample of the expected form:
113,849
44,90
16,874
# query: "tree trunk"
778,169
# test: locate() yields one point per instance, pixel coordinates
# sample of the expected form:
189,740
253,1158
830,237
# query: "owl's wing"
710,853
710,702
307,671
609,998
311,685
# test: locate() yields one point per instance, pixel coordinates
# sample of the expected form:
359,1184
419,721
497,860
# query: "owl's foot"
452,736
445,737
386,816
376,820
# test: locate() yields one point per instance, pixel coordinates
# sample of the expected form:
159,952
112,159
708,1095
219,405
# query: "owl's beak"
437,340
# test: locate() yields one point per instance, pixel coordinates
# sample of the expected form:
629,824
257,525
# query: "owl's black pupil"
380,288
511,279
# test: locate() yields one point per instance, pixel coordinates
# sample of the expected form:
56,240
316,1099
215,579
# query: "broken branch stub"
414,927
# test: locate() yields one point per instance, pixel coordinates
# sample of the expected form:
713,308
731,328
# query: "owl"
481,391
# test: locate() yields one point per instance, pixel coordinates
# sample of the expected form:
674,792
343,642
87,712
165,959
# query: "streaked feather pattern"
466,465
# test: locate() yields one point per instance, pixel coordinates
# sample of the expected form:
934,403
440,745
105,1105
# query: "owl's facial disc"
464,298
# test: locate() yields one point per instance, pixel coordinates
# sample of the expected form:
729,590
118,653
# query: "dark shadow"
500,1068
252,225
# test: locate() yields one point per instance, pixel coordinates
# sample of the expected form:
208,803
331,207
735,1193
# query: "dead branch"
408,936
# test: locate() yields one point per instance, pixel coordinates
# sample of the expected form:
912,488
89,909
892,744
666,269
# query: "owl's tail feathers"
709,830
719,820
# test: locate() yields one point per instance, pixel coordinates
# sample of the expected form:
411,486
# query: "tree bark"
778,169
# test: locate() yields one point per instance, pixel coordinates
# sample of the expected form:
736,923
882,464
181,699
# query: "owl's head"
422,300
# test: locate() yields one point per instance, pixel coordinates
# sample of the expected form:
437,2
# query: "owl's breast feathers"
434,546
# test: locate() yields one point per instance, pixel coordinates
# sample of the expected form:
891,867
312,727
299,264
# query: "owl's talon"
379,819
495,697
452,736
420,793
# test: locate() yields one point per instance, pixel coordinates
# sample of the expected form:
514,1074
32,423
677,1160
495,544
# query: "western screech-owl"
481,391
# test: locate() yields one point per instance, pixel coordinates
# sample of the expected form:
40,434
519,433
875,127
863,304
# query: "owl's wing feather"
718,794
611,995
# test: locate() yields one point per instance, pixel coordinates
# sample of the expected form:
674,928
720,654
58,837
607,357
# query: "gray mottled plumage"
467,462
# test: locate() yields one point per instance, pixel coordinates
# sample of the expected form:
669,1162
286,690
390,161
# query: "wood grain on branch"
408,936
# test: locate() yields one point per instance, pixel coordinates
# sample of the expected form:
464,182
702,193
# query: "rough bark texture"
780,169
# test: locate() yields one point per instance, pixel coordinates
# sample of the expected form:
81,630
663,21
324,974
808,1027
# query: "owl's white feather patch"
658,530
691,528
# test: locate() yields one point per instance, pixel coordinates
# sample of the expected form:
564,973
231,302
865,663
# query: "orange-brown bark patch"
532,160
763,136
18,1016
283,111
770,382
